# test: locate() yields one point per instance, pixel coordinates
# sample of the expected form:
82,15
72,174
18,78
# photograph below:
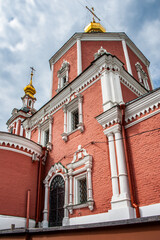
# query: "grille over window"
75,119
82,190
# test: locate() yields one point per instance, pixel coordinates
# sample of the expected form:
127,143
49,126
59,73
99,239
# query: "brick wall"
71,57
144,158
17,175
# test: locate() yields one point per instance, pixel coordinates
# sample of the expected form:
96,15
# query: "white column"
113,164
65,118
70,187
45,211
21,130
150,77
66,200
118,89
79,57
113,87
16,128
50,128
52,69
123,178
126,57
106,91
80,100
39,134
90,196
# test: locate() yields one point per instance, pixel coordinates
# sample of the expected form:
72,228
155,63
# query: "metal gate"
56,210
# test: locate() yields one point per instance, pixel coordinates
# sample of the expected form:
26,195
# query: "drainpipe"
39,185
28,207
135,205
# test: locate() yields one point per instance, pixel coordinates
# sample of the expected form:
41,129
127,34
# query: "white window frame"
63,72
79,168
68,110
142,76
44,128
77,189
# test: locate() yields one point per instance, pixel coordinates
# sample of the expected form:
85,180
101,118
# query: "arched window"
56,203
30,102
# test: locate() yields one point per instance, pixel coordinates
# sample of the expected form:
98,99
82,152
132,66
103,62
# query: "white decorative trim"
79,56
130,86
61,74
16,150
80,159
111,215
97,37
6,221
150,210
142,75
55,169
80,84
142,119
116,214
20,142
142,106
110,117
100,52
150,77
126,57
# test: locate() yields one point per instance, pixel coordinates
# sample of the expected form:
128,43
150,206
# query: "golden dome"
29,89
94,27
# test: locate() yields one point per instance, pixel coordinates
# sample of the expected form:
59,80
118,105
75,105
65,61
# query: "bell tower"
28,99
18,115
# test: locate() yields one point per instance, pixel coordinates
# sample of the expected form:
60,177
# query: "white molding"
116,214
111,215
142,106
20,222
150,210
15,150
97,37
142,119
20,142
126,57
110,117
81,83
53,170
52,74
150,77
79,56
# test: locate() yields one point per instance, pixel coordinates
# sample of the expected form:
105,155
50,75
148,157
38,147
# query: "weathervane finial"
32,69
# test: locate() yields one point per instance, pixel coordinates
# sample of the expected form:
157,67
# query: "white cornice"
97,37
110,117
16,115
80,84
142,106
24,144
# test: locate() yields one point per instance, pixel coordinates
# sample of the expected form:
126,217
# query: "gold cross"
94,15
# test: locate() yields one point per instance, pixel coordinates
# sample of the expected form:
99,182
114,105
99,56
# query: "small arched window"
30,102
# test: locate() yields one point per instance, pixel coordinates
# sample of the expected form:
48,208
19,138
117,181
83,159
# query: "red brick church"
91,154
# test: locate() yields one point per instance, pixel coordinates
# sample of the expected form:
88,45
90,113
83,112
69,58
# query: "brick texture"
17,175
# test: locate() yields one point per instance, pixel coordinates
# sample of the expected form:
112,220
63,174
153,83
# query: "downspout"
135,205
39,185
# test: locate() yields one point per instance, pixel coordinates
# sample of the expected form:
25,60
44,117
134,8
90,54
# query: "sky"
31,31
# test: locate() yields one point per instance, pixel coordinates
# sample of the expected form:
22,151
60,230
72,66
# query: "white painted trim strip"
142,119
126,57
15,150
20,222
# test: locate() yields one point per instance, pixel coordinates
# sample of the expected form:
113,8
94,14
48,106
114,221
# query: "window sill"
88,204
65,135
